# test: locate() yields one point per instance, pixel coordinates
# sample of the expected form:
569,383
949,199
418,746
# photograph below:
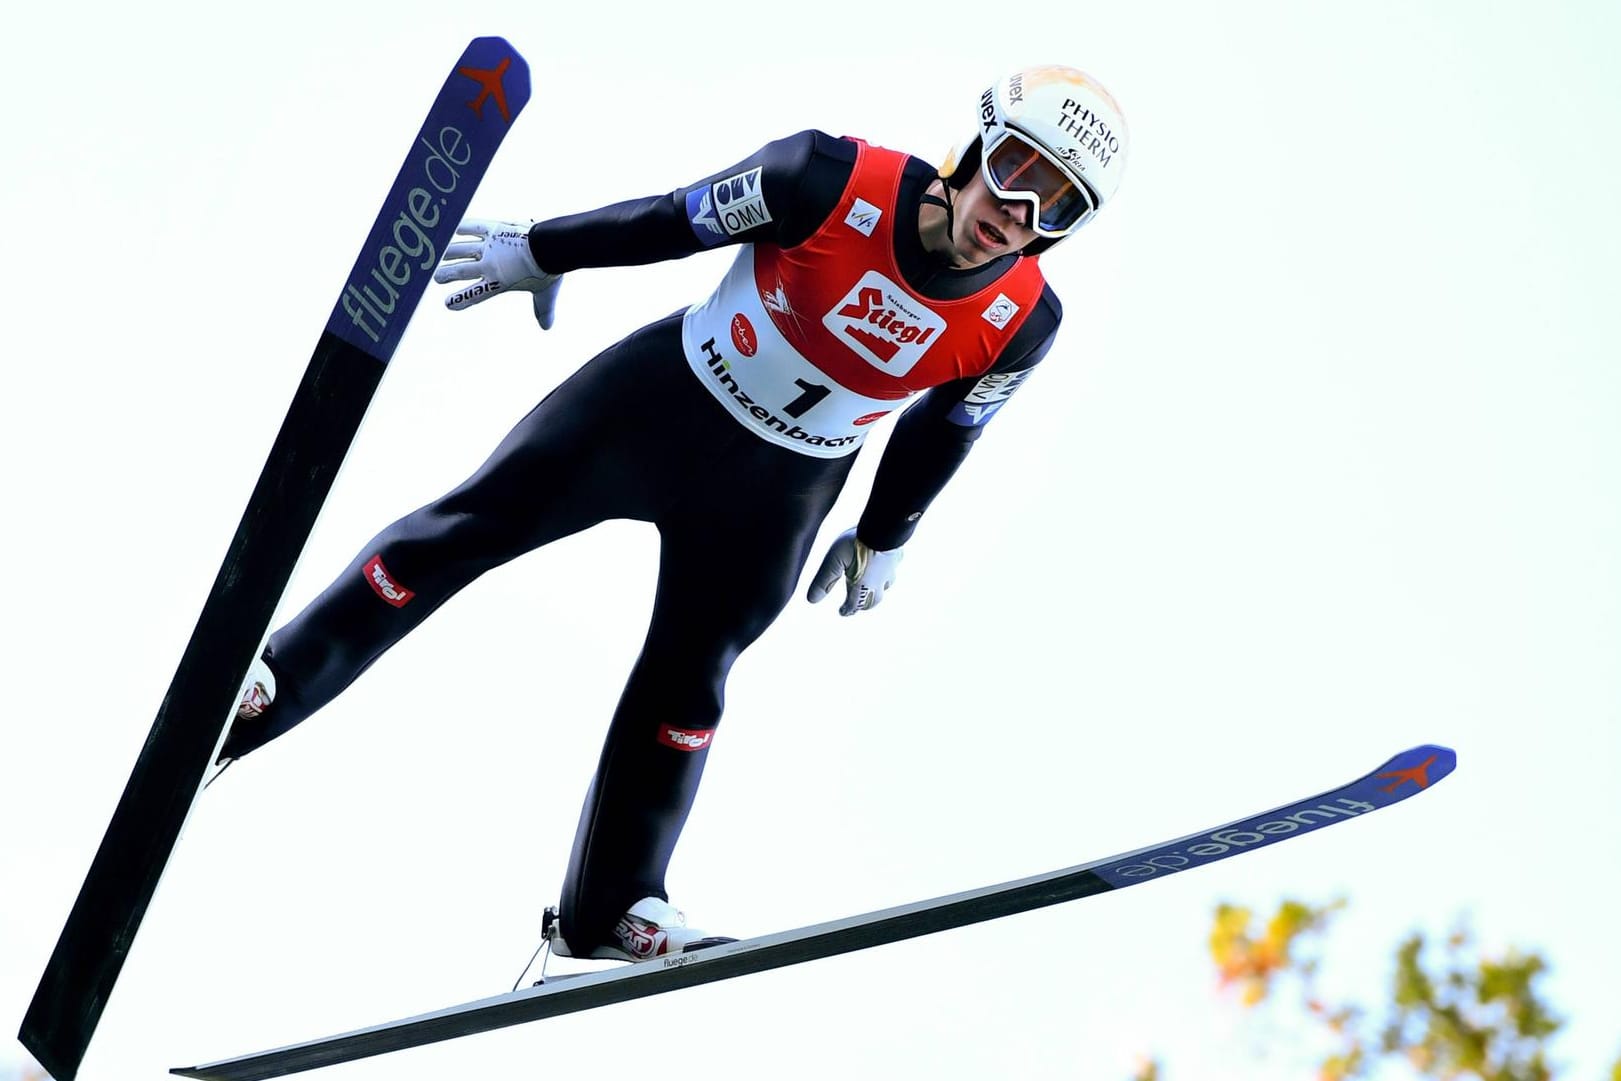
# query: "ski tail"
1402,776
468,120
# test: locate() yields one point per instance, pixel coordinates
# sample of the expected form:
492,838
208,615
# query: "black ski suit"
599,447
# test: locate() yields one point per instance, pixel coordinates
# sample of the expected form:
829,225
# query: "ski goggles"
1018,170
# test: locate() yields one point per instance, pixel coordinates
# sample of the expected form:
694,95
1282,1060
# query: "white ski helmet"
1048,136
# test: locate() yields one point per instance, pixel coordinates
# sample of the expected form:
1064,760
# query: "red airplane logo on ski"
1418,774
489,79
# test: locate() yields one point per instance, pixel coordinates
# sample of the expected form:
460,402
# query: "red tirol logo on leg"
383,584
685,739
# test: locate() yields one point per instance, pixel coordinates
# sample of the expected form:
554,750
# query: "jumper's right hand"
501,261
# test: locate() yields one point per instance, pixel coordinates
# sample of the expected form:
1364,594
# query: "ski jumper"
831,316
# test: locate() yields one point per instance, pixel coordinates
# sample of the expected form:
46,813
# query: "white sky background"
1324,465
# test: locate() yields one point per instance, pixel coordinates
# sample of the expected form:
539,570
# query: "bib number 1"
813,393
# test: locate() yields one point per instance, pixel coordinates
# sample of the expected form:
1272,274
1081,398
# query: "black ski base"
464,127
1402,776
337,386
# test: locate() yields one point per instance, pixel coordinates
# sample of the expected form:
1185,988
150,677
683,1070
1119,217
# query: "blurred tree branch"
1453,1013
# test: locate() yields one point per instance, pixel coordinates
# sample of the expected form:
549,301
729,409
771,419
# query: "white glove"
501,260
866,573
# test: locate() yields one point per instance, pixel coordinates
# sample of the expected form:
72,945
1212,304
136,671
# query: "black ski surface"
468,120
1409,772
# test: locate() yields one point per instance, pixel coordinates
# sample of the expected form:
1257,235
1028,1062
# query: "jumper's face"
985,226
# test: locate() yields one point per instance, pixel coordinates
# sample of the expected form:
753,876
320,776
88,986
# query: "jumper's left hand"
866,573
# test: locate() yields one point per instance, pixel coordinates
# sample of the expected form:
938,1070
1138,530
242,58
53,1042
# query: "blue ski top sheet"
488,87
1407,773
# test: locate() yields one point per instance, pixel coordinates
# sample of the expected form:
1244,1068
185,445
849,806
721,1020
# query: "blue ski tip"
1403,775
480,99
1421,767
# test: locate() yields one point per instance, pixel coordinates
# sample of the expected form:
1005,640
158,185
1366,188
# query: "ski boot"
258,694
652,928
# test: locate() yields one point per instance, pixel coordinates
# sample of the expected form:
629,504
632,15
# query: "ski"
480,98
1407,773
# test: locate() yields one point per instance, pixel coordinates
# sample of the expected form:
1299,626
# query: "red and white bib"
807,346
